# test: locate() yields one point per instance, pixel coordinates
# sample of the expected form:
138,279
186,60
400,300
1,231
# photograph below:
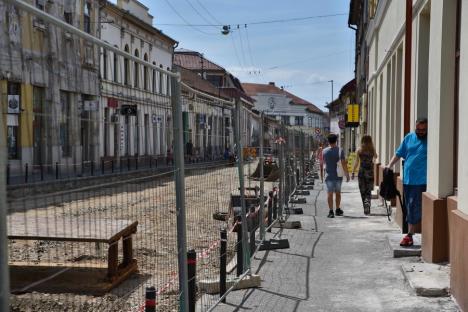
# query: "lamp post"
331,90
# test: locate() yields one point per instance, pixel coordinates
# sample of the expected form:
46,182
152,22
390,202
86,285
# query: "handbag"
339,166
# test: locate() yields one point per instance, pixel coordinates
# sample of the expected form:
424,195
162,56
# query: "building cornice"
125,15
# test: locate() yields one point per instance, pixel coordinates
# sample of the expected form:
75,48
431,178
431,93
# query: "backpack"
388,190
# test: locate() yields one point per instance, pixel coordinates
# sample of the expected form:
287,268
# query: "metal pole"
179,172
240,166
222,264
282,192
262,182
4,271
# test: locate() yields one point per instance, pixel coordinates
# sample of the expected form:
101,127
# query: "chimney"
271,84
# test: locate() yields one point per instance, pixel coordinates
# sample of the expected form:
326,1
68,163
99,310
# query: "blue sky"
302,55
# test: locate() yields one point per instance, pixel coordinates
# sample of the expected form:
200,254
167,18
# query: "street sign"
318,131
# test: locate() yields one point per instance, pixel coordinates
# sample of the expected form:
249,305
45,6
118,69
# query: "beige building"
134,107
421,71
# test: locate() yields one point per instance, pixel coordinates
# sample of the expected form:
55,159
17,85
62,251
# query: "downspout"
408,48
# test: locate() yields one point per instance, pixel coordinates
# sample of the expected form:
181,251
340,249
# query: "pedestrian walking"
365,160
413,150
335,167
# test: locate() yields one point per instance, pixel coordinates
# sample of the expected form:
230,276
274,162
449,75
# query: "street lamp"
331,89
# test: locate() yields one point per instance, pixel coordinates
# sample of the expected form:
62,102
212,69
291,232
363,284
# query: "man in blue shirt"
413,150
332,157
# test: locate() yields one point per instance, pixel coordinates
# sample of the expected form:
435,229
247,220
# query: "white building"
134,109
286,107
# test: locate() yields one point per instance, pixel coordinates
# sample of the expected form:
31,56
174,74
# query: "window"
299,120
168,83
65,121
68,17
161,75
116,67
126,68
87,17
39,121
285,120
136,80
14,109
104,64
145,74
40,4
154,78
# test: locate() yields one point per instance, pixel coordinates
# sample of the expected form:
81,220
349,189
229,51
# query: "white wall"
463,111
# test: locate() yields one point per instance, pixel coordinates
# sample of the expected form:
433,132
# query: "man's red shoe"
407,241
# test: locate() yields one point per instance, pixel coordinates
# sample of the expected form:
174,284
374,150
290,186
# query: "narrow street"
340,264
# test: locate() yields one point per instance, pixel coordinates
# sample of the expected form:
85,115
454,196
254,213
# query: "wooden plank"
22,226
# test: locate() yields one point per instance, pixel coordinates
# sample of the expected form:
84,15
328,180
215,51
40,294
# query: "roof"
195,81
349,87
194,61
253,89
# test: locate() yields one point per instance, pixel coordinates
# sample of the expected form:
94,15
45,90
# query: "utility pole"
331,90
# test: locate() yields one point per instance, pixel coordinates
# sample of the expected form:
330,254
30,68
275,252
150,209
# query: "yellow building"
48,77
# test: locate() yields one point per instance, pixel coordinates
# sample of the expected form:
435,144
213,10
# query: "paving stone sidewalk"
340,264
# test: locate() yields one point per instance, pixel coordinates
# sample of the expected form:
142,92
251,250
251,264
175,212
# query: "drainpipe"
408,43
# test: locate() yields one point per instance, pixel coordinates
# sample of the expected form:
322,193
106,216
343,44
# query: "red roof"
195,81
349,87
194,61
253,89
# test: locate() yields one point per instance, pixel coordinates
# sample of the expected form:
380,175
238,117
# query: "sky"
301,55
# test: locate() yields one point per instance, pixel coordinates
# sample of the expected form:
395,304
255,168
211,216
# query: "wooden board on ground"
65,279
22,226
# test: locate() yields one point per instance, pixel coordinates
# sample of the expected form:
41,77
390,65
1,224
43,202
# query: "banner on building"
13,104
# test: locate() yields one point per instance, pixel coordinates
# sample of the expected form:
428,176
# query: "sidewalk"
340,264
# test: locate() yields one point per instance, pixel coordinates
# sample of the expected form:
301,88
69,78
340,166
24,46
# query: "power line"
249,46
198,12
187,22
242,46
235,50
286,20
305,60
208,12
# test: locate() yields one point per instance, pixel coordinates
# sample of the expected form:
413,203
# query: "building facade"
286,107
134,106
418,65
48,77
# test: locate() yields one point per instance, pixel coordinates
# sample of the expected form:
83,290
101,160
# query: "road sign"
318,131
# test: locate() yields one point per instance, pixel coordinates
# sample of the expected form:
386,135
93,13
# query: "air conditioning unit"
115,118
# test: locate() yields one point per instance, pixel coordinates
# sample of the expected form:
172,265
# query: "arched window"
104,64
136,79
116,67
126,67
154,78
145,74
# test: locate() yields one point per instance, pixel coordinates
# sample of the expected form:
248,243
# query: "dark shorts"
413,201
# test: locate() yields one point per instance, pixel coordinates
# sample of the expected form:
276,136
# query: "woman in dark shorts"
365,157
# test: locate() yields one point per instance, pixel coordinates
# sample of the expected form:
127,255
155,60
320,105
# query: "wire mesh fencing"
130,187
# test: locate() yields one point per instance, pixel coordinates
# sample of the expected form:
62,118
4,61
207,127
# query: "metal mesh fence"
122,179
